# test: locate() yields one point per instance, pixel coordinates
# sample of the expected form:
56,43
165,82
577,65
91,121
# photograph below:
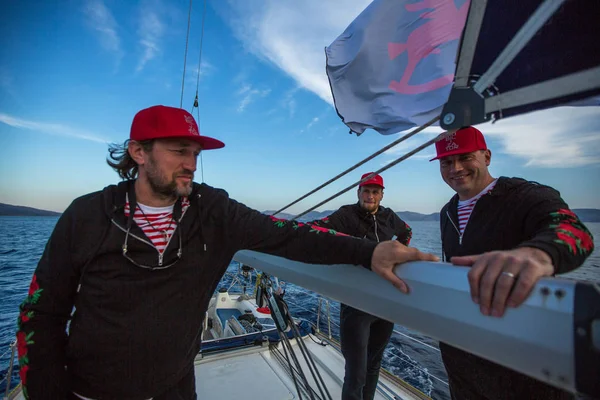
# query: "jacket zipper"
375,221
160,255
455,227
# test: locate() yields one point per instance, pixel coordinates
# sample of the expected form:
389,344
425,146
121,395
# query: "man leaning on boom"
133,267
511,232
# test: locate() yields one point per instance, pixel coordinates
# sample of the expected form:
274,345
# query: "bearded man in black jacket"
133,267
511,232
364,336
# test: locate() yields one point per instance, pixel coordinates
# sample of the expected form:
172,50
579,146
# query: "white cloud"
99,18
150,31
250,94
561,137
412,143
51,128
193,75
312,122
293,34
289,103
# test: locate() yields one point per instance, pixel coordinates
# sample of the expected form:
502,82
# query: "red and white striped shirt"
157,222
465,207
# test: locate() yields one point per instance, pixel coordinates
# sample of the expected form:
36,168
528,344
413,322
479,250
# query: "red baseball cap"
464,140
162,122
375,180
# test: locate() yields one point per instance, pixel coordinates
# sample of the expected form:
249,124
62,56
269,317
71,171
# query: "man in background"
363,336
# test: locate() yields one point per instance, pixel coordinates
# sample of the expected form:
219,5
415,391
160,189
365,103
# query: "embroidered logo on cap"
191,126
451,145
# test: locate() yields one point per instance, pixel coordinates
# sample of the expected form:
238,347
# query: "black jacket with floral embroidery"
515,213
353,220
136,331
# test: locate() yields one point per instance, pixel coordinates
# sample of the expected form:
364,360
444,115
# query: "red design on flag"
444,24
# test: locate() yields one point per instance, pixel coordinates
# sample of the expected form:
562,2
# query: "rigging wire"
200,58
388,166
198,85
352,168
187,37
284,322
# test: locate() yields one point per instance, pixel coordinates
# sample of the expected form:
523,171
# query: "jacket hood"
381,210
115,198
503,185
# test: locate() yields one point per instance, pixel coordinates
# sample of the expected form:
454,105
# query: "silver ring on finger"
509,274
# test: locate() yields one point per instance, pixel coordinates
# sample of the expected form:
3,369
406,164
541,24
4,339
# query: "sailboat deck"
259,371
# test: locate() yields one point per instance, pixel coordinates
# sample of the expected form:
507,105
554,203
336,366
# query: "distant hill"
415,216
311,216
20,211
585,214
588,214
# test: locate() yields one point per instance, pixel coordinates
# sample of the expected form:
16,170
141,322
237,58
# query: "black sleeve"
403,231
552,227
294,240
41,334
335,221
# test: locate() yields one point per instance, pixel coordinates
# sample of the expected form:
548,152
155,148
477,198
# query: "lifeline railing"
12,349
236,280
554,336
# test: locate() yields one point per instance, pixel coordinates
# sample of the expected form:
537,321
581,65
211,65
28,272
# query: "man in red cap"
138,263
364,336
511,232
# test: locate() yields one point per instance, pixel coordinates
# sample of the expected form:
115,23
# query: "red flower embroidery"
24,317
583,239
320,229
279,222
34,285
275,219
23,374
568,240
21,344
568,213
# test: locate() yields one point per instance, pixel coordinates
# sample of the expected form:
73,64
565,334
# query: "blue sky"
73,74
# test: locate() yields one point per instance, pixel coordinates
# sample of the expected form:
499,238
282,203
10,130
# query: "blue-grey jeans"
363,338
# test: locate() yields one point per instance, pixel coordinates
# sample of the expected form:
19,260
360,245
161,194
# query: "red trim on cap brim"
206,142
452,153
371,184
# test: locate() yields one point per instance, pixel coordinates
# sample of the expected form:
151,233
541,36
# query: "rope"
390,165
417,340
198,85
352,168
187,37
9,349
200,56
